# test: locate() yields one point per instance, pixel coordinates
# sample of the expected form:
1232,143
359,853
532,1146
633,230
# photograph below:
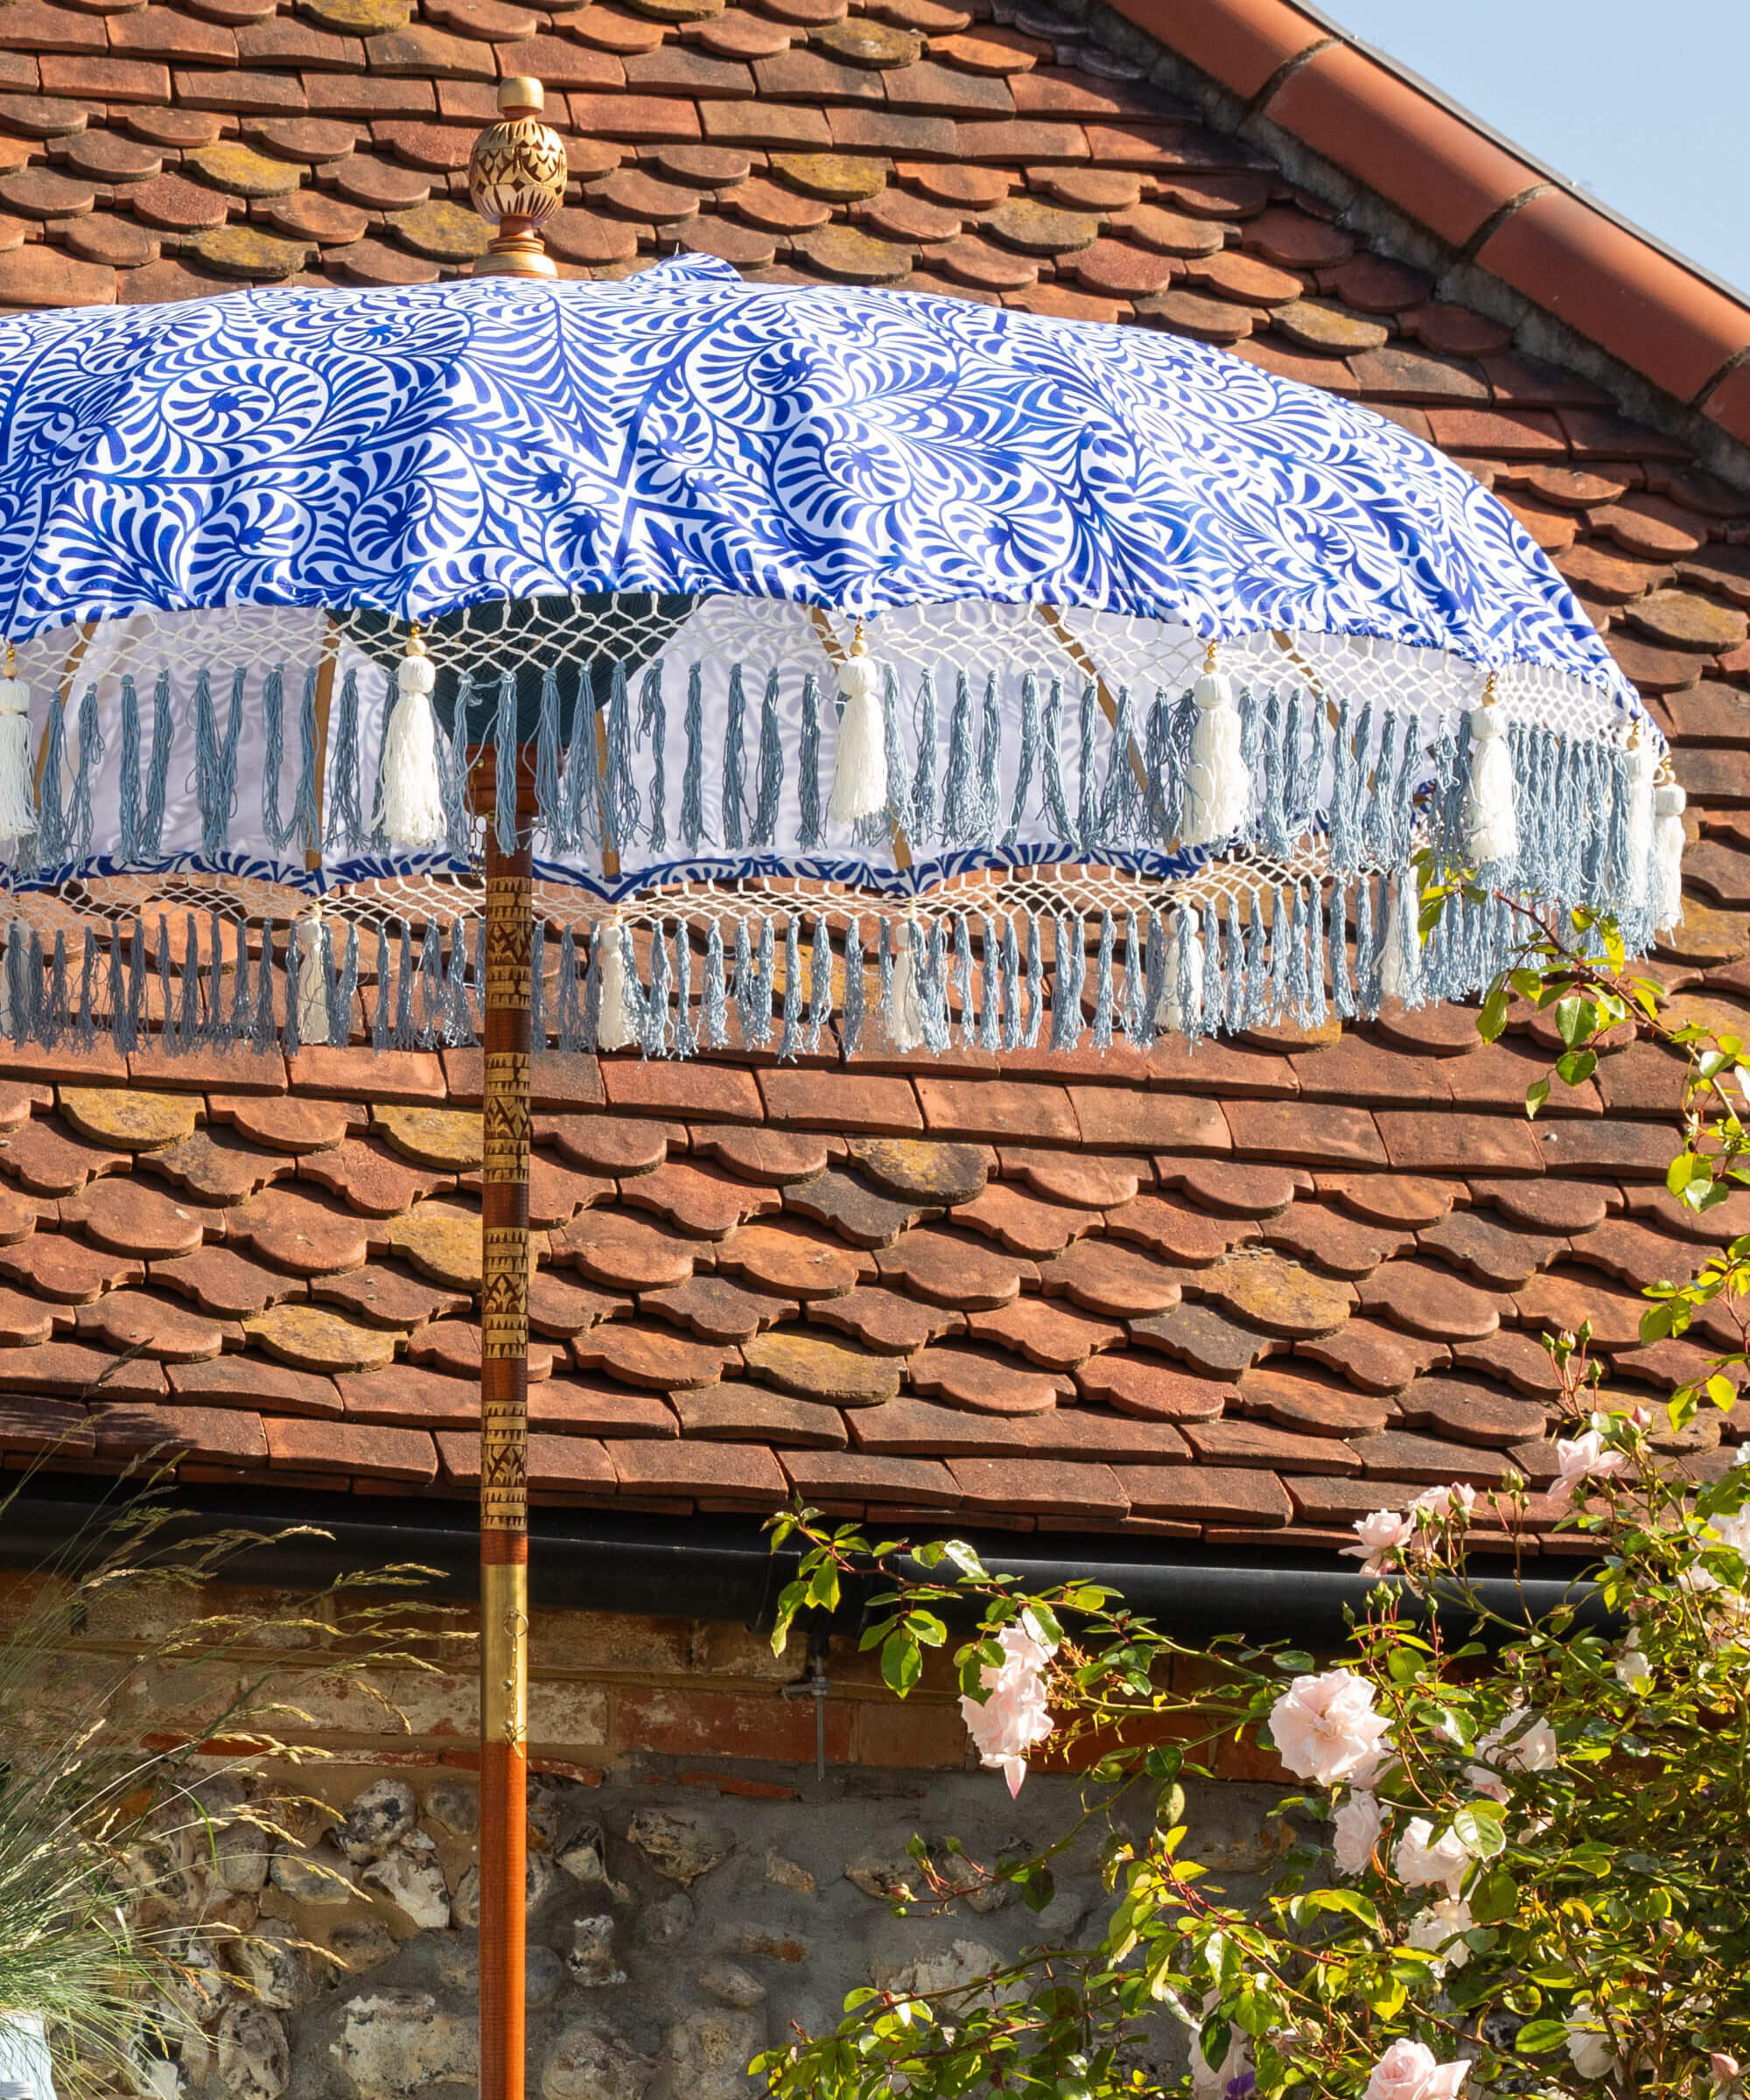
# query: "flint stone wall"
674,1929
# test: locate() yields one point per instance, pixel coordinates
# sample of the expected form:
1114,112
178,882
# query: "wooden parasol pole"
517,178
504,1466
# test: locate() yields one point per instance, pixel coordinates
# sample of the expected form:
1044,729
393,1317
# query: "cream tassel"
312,980
18,769
905,1021
1491,826
859,764
1643,767
1400,961
1669,800
411,810
613,1024
1218,790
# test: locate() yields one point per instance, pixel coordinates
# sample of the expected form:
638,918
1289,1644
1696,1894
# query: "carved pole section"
516,178
504,1468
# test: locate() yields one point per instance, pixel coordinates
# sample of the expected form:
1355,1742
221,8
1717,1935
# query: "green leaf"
1574,1067
1720,1391
901,1664
1480,1825
1680,1172
1535,1095
1537,2036
1496,1897
1492,1019
1295,1662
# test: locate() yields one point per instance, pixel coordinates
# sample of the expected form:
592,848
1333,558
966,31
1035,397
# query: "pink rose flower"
1325,1727
1585,1458
1014,1717
1423,1859
1356,1827
1440,1502
1408,2071
1380,1535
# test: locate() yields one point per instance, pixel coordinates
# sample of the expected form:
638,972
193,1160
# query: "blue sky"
1642,105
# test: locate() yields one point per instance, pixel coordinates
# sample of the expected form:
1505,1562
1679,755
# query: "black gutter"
721,1568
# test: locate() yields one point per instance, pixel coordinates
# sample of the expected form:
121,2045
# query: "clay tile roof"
1239,1295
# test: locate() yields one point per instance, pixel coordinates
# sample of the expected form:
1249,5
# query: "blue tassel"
215,765
808,764
686,1030
1345,791
962,976
923,823
433,1003
1257,966
158,779
1342,991
1088,803
51,820
990,985
214,1028
1028,759
652,1020
1138,1018
960,801
820,983
1366,945
1378,839
1103,985
620,794
504,775
692,777
1215,1002
1162,792
879,829
932,987
1188,990
17,982
1281,951
765,977
346,819
714,1005
401,1036
653,727
771,767
342,991
289,1039
549,799
567,1017
637,1005
1051,743
90,755
1035,1013
382,1017
242,994
583,787
453,787
853,987
600,937
129,787
789,1042
990,762
1239,994
1121,806
1011,985
1401,812
274,828
1068,975
1157,959
734,761
306,801
1297,993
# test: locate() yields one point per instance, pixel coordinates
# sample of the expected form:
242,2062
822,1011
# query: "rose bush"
1520,1863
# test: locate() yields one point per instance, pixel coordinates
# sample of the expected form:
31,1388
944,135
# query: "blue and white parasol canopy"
909,597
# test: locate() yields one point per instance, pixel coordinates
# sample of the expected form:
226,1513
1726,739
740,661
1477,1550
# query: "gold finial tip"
519,97
1209,655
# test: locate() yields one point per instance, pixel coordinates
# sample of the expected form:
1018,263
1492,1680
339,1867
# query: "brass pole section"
504,1468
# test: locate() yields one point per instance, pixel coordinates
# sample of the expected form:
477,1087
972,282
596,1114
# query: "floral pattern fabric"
423,449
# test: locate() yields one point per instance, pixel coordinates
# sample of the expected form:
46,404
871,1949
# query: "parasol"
839,667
